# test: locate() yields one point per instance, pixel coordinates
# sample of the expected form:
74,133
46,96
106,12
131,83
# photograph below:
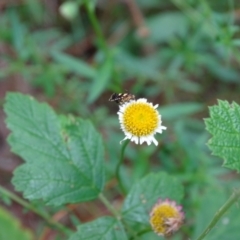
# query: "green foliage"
59,158
228,226
64,164
160,34
224,125
178,110
179,54
74,65
101,81
106,228
146,192
10,228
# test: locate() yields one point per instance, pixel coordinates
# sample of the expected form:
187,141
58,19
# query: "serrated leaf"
224,125
106,228
145,193
63,163
35,127
10,228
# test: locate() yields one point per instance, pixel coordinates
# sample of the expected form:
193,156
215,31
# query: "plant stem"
117,215
27,205
109,206
91,14
119,165
233,198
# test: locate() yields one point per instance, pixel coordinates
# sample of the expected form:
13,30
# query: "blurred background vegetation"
180,54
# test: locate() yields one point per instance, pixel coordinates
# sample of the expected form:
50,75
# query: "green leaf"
63,163
188,85
74,65
228,225
135,66
10,228
101,81
106,228
224,125
221,72
177,26
144,194
179,110
18,32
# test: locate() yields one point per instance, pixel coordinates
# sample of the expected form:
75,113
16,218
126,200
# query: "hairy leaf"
106,228
224,125
64,162
144,194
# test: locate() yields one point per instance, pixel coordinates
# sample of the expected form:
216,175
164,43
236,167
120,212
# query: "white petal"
142,140
128,135
148,140
159,130
123,140
142,100
154,141
135,139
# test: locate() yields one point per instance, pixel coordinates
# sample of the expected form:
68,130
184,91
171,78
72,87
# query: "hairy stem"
119,166
95,23
233,198
109,206
27,205
117,216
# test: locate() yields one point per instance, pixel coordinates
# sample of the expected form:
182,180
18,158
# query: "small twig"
109,206
96,26
117,216
27,205
233,198
119,165
138,18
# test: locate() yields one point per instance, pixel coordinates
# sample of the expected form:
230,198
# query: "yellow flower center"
159,217
140,119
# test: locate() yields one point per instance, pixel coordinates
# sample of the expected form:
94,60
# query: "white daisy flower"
140,121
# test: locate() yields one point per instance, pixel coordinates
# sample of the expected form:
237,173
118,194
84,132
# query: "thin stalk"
233,198
125,143
96,26
117,215
109,206
27,205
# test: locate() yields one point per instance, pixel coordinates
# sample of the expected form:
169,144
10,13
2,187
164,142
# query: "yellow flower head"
140,121
166,217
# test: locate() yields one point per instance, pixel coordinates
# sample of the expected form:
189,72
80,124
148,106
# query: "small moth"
121,98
